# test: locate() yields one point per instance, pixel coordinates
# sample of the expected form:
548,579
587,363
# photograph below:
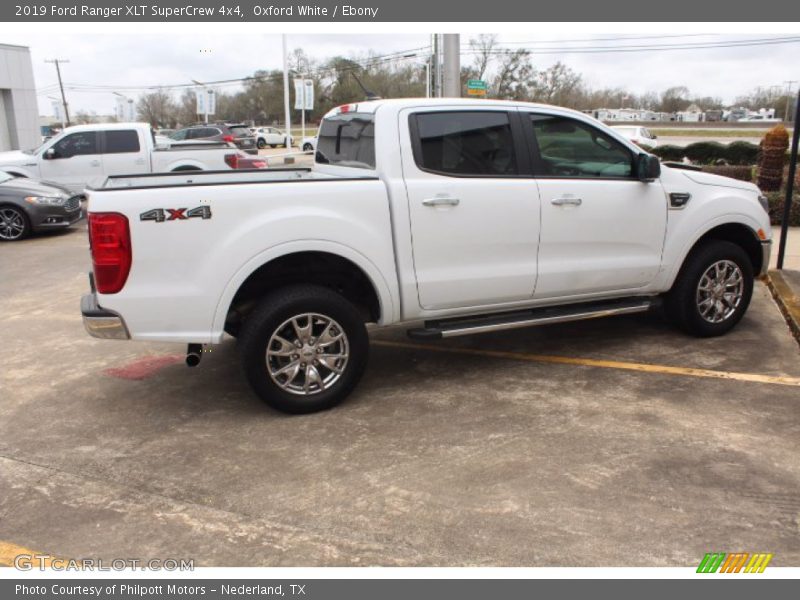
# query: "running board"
529,318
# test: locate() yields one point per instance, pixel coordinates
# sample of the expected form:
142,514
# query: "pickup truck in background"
448,217
85,155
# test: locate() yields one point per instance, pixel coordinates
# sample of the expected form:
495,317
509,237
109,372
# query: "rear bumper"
766,251
100,322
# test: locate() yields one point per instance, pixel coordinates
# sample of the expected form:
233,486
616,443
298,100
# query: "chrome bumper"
100,322
766,251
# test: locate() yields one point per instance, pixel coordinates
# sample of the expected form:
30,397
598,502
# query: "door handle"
441,201
95,163
566,201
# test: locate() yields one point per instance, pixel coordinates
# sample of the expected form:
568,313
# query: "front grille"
73,203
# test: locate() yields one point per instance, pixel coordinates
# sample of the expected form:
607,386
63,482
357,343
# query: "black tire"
9,233
270,317
682,303
261,144
308,148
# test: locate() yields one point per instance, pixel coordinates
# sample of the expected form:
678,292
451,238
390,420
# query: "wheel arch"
325,263
737,232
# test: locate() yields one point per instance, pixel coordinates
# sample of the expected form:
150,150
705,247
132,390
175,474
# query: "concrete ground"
614,442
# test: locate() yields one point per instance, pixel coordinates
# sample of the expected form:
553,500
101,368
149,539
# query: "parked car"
309,144
273,137
449,217
86,154
640,136
164,132
236,133
759,119
27,206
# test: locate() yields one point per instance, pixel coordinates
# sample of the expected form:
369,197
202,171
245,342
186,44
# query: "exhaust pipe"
194,352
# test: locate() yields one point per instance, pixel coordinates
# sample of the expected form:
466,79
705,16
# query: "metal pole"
788,99
428,78
452,65
787,205
207,92
56,61
286,112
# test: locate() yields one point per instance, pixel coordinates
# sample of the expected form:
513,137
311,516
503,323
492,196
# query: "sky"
164,59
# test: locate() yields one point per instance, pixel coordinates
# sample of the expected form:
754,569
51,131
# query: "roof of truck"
371,106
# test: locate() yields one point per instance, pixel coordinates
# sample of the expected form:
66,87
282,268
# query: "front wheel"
14,224
712,291
304,349
308,148
261,144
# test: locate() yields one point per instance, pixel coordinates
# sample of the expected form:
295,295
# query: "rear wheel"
308,148
304,349
14,224
712,291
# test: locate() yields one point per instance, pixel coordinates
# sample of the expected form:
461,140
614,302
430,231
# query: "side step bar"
529,318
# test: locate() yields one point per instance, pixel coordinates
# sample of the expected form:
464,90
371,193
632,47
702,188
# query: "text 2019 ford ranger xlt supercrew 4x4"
450,216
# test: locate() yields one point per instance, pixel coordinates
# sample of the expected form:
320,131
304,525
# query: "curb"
788,300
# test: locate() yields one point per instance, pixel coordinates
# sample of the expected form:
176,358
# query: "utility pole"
788,99
437,67
287,114
452,65
57,62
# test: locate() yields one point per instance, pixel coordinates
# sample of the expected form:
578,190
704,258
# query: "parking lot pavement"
486,450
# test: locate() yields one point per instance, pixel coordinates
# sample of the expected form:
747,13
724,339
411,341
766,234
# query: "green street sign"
476,84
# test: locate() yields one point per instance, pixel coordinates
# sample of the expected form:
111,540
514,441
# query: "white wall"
19,113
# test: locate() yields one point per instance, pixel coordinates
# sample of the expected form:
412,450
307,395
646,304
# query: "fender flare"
389,310
729,219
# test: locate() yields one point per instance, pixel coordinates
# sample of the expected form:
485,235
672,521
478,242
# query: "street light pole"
788,99
57,62
286,111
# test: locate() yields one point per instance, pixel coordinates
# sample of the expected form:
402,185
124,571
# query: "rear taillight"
227,138
110,243
232,160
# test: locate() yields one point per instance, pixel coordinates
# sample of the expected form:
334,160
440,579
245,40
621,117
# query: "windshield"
347,140
5,177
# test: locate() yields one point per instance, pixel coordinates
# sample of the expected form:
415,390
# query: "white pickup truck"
85,155
450,217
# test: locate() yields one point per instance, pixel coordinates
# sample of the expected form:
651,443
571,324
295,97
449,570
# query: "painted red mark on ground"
142,368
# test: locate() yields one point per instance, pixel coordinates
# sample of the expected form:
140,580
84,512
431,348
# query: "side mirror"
648,167
50,154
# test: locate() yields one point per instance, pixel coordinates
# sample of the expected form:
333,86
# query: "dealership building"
19,113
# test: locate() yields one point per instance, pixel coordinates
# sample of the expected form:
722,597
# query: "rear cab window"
347,140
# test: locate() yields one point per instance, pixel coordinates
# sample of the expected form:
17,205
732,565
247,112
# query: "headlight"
764,202
46,200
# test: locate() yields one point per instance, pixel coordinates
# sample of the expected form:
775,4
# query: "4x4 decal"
159,215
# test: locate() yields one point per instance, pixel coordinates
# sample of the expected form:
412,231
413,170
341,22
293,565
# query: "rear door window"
347,140
464,143
117,142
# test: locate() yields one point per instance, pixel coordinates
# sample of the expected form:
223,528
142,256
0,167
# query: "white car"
641,136
446,216
272,137
759,119
309,144
85,155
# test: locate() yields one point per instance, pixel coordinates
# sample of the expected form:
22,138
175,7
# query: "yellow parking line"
9,551
604,364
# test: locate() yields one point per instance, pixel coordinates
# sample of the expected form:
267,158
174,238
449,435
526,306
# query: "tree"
514,74
675,99
157,108
558,85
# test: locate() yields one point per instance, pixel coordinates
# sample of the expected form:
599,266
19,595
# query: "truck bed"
230,177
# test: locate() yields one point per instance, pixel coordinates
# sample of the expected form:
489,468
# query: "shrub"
776,201
741,153
743,173
705,152
668,152
771,160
